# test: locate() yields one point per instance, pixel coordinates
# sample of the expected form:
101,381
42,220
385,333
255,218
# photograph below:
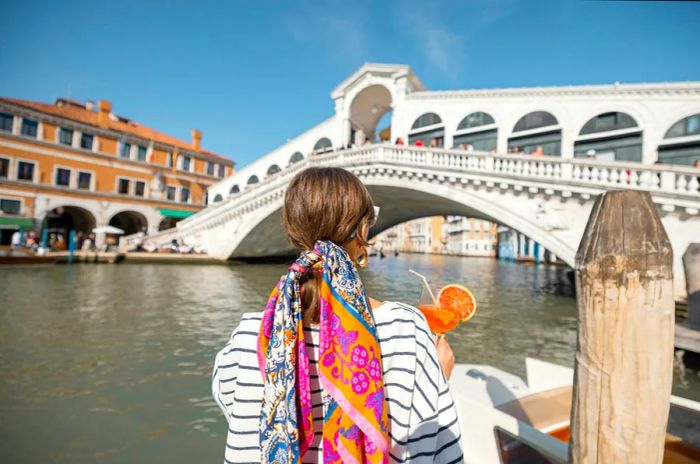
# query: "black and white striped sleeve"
224,377
435,433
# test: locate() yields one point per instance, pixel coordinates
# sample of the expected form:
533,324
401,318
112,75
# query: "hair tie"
305,261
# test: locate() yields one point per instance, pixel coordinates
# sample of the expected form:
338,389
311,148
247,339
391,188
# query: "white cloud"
339,26
443,49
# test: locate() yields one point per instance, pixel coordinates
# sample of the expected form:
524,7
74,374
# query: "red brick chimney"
197,139
104,108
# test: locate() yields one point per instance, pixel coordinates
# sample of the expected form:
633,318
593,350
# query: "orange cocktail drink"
439,320
453,304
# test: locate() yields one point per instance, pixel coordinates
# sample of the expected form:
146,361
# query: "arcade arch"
681,143
63,219
477,129
536,129
427,128
130,222
611,136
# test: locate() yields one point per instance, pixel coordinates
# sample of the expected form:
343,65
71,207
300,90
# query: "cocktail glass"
439,320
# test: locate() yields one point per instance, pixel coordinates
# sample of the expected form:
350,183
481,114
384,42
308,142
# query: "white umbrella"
107,230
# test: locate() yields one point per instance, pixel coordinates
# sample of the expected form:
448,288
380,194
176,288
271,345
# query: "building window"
65,137
139,188
272,170
543,136
170,161
685,152
186,163
86,141
323,145
84,180
296,157
185,195
607,122
608,146
4,168
141,153
63,177
6,122
222,171
428,130
218,198
535,120
684,127
29,127
126,150
10,206
210,168
25,171
170,192
123,186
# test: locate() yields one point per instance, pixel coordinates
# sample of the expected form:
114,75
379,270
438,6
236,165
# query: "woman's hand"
445,356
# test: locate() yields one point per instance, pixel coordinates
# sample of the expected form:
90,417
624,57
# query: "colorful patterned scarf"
355,426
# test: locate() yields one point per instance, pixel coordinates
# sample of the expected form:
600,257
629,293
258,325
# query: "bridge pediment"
372,74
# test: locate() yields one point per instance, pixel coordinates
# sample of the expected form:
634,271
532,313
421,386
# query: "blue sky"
253,74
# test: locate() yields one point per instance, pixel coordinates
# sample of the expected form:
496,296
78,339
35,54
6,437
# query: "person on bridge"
325,373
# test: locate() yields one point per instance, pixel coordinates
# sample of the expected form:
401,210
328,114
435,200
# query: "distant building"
515,246
74,166
422,235
461,236
470,237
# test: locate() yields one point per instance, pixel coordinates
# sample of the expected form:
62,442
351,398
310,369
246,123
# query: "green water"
111,363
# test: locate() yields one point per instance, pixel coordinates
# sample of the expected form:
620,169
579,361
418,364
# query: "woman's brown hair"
323,203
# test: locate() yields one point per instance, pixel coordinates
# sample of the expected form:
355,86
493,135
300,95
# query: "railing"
673,182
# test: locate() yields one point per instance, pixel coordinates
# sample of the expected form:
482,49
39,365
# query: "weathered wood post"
691,265
624,353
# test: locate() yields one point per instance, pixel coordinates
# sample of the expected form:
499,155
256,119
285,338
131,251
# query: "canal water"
111,363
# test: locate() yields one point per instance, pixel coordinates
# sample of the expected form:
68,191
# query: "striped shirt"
424,426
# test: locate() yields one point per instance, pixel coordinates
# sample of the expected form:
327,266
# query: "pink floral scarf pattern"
355,424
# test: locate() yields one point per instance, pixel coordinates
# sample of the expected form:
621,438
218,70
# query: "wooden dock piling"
691,265
624,353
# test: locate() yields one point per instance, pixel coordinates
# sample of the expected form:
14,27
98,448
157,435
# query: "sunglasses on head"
376,216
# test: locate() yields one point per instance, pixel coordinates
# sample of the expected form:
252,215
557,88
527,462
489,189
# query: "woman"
325,374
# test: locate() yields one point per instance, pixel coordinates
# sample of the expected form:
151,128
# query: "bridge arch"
477,129
253,180
264,235
613,135
534,130
234,189
218,198
368,107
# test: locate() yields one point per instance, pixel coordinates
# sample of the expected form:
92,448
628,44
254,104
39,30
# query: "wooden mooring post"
624,353
691,265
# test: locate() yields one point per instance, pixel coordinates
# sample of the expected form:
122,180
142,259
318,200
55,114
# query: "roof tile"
89,117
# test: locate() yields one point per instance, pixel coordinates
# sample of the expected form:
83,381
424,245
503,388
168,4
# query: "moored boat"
507,420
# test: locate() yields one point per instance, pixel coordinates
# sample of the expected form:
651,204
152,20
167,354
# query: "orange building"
74,166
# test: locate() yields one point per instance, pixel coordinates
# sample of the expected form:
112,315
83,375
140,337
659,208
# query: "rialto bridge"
591,139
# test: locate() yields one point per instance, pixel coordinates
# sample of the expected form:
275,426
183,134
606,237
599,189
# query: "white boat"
506,420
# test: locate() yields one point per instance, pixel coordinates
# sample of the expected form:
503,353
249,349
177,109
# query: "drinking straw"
427,285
